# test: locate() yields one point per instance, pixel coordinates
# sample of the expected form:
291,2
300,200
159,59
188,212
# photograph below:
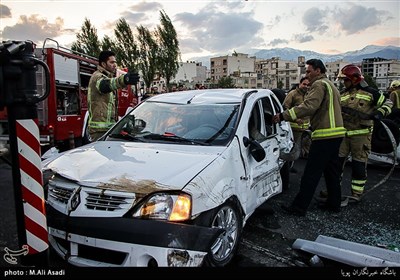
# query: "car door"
263,176
282,130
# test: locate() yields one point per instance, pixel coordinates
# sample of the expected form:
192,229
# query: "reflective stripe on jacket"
395,97
293,98
322,104
102,105
358,103
300,127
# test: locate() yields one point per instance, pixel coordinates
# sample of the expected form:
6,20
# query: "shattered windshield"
195,124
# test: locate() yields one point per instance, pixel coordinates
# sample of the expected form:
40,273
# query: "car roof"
209,96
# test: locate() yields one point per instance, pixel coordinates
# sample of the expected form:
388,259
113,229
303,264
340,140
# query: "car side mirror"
256,150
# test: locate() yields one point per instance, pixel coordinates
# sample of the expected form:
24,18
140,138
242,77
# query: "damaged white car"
172,183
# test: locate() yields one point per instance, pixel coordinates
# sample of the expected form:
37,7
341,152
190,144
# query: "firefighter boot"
355,197
358,181
323,196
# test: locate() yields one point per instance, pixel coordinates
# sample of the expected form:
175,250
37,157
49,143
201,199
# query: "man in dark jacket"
322,105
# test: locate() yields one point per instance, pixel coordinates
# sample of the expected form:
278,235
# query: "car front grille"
100,201
66,195
60,194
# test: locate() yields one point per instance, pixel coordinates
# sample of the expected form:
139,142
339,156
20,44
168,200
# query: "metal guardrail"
351,253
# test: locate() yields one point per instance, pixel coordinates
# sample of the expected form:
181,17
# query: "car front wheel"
224,248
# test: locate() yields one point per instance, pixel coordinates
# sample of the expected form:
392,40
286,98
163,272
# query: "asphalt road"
269,234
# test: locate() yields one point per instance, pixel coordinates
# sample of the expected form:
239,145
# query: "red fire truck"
62,115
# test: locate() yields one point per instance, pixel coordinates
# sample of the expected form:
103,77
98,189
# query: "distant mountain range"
371,51
388,52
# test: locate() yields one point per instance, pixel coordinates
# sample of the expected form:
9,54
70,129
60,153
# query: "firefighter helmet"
351,72
395,84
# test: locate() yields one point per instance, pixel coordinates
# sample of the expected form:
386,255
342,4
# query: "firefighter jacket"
294,98
395,97
102,99
358,106
322,105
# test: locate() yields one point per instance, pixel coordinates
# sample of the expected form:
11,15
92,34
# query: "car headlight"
165,206
48,174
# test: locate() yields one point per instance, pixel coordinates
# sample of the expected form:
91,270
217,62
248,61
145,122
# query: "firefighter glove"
131,78
277,118
377,115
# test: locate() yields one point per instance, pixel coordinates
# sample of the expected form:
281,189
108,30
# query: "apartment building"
245,80
225,66
189,73
275,72
250,72
367,65
384,72
333,68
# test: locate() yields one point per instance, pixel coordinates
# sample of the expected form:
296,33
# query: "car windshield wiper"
126,136
168,136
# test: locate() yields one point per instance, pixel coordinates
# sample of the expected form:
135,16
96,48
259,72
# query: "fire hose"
394,145
297,147
353,112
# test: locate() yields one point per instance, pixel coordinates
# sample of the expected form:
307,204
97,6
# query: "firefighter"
361,105
293,98
322,105
102,95
395,94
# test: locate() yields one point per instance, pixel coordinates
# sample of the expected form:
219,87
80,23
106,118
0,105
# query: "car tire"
285,173
222,251
395,116
381,142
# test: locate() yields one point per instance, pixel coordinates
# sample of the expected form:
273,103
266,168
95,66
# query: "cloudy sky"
211,28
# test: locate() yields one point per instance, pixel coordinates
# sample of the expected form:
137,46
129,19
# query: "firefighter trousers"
322,159
359,147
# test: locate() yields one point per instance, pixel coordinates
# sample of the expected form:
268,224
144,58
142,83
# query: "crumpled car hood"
119,165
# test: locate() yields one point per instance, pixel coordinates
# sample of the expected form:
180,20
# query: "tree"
370,81
108,44
148,55
169,53
87,40
226,82
125,45
280,84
